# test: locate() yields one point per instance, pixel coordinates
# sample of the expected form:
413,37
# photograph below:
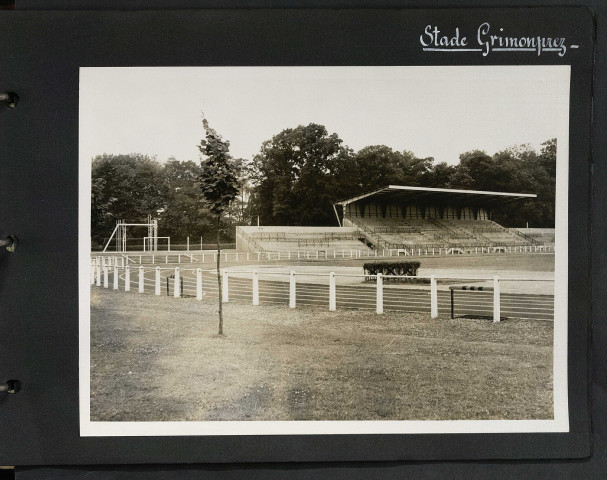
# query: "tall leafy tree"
219,184
124,187
378,165
517,169
186,213
297,176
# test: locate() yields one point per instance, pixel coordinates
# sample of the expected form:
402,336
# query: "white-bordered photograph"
323,250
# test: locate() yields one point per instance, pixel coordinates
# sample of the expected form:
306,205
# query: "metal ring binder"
9,243
11,386
10,99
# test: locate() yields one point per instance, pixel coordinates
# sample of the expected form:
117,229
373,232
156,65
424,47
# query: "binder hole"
10,243
11,386
14,241
10,99
14,386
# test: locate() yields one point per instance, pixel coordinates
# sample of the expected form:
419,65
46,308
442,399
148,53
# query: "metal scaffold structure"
120,232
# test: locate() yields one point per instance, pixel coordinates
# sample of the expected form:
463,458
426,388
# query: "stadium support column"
337,216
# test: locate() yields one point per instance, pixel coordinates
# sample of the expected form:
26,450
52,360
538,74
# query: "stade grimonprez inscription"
487,40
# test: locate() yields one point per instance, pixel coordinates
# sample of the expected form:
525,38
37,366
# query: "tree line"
297,176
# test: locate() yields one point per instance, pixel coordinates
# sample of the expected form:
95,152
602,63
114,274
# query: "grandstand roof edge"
434,190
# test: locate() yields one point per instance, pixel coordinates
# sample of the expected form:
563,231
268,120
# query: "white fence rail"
195,283
305,255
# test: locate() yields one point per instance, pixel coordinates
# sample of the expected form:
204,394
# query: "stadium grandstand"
402,218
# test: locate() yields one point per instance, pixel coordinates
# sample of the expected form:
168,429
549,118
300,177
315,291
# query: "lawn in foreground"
159,358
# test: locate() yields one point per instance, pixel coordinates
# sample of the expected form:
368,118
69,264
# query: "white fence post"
380,294
122,259
198,284
115,277
105,285
332,299
98,275
433,297
93,268
255,288
157,282
141,279
292,294
225,295
496,299
176,284
127,279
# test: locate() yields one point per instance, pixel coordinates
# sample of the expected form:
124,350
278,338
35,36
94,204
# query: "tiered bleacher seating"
285,242
434,233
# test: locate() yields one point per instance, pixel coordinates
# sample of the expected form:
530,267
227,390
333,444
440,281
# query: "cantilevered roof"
425,195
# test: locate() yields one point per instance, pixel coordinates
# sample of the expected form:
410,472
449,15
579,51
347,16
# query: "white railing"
100,273
312,255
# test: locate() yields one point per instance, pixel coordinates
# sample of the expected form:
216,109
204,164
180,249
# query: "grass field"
159,358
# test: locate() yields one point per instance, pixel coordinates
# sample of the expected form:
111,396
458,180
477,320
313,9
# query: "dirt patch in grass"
158,358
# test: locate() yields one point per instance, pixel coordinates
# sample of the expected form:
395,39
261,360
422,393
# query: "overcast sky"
437,112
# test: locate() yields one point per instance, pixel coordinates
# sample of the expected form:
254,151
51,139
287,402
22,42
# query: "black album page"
280,235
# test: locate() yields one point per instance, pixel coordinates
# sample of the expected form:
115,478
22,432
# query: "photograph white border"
560,423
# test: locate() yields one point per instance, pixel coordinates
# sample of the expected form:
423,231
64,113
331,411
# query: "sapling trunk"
219,277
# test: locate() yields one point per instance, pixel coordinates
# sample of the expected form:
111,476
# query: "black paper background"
38,191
